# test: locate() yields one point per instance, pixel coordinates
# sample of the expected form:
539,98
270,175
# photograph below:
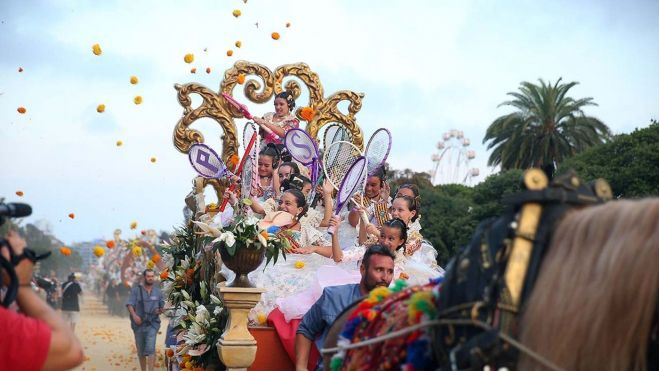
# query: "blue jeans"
145,340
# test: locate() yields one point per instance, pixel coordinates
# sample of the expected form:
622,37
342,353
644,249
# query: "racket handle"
331,230
226,199
364,217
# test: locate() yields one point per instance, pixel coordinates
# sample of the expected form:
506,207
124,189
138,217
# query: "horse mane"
595,300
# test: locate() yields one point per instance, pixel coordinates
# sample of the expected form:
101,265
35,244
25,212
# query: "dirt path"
108,341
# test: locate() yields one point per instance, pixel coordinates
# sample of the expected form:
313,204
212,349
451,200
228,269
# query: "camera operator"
37,339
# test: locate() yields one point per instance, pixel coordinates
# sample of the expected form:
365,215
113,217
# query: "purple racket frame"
220,173
360,161
315,168
370,173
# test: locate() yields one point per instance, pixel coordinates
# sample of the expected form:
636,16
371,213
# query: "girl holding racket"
375,199
274,125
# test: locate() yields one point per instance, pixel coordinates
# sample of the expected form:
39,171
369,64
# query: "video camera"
14,210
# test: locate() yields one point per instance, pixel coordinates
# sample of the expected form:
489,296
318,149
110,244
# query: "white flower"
185,263
208,230
217,310
186,296
215,300
226,237
167,259
251,220
202,316
167,288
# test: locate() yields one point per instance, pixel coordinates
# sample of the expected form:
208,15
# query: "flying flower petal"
100,108
98,251
236,13
137,99
208,70
72,215
193,70
134,80
133,225
275,35
96,49
189,58
20,69
229,53
21,110
19,193
238,44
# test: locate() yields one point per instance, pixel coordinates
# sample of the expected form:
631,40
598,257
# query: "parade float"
211,314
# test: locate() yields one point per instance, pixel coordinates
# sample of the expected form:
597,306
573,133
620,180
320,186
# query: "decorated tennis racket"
334,133
206,162
243,109
353,180
337,160
303,149
377,149
249,179
250,146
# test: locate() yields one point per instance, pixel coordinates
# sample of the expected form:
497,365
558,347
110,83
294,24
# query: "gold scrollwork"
260,91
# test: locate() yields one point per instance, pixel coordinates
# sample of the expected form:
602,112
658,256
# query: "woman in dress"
274,125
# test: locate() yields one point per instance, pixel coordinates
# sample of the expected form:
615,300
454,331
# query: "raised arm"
326,191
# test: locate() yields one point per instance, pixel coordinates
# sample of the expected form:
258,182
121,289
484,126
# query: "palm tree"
547,128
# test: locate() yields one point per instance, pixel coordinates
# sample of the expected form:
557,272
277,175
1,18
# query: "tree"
547,128
630,163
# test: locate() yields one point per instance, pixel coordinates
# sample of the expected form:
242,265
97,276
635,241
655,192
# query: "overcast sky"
425,66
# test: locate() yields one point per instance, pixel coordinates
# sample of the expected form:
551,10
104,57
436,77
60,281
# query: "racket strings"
340,157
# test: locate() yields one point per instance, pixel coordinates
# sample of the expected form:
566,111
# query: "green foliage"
630,163
547,127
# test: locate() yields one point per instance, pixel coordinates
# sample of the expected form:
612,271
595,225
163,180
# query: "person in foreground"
377,269
145,305
37,339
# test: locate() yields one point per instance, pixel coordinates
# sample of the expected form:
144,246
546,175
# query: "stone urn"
244,261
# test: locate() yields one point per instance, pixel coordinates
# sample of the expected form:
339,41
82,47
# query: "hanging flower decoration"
98,251
150,264
134,80
100,108
133,225
65,251
137,99
188,58
21,110
241,78
110,244
307,113
96,49
19,193
275,35
236,13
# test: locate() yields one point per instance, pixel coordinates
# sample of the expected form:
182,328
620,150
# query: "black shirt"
70,292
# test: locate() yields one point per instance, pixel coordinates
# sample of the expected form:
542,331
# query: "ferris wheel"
452,162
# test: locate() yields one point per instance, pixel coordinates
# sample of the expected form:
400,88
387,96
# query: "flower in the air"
153,159
72,215
19,193
21,110
120,143
193,70
275,35
137,99
150,264
134,80
133,225
236,13
229,53
288,24
20,69
227,237
109,244
156,258
98,251
65,251
238,44
241,78
299,264
307,113
100,108
189,58
208,70
96,49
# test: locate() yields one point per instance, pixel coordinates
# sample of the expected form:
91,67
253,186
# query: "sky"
425,67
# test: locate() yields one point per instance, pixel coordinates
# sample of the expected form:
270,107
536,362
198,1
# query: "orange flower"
208,70
21,110
241,78
109,244
233,161
403,276
229,53
307,113
275,35
98,251
65,251
193,70
156,258
188,58
72,216
170,352
163,276
19,193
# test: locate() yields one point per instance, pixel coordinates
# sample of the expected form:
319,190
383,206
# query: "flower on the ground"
299,264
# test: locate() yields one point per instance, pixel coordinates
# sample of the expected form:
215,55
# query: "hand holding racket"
243,109
248,149
352,181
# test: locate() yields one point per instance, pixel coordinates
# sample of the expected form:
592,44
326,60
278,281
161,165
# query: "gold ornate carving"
261,89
